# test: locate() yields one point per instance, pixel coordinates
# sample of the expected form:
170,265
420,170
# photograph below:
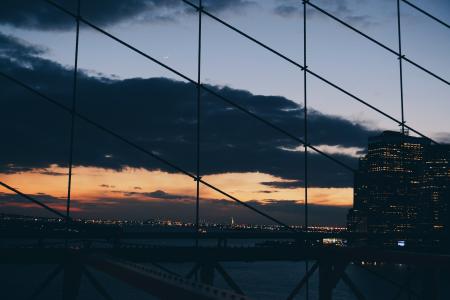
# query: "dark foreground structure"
141,264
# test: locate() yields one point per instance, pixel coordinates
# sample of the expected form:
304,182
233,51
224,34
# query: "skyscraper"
402,185
436,186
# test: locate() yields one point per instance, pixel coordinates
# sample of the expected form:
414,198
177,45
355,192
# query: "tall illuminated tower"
402,185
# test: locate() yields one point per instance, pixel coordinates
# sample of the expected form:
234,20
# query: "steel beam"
330,272
159,283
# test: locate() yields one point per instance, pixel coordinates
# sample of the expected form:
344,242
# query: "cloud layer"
36,14
160,115
346,10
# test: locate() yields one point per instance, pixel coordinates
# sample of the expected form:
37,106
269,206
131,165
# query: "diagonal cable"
35,201
277,128
426,13
266,47
309,71
370,106
211,91
97,125
243,34
377,42
224,98
232,102
248,206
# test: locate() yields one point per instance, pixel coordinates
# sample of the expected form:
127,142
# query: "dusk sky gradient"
128,93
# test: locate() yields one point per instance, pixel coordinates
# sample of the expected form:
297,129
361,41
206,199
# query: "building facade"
402,185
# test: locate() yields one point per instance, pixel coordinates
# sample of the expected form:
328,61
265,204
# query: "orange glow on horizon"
91,183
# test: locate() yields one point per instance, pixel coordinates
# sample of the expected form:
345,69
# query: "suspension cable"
400,61
376,42
34,200
73,110
426,13
209,90
311,72
305,128
199,60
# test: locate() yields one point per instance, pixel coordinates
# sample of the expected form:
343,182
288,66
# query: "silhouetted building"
401,185
436,186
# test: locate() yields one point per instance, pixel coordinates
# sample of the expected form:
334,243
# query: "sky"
157,109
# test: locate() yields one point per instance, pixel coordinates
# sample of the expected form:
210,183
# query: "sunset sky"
156,109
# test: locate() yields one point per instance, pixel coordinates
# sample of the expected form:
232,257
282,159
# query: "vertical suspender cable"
305,128
73,110
400,60
305,115
197,202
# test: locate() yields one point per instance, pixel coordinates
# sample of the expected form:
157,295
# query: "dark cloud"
12,47
287,10
266,192
159,114
158,194
293,9
342,9
166,196
38,14
221,5
293,184
51,173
